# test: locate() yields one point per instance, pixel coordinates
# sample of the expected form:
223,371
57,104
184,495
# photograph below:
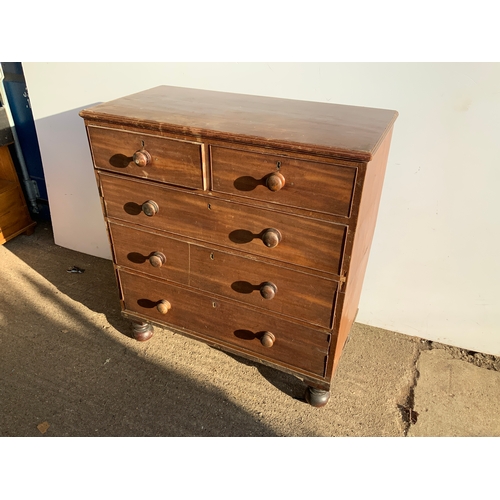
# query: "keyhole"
142,144
212,256
278,165
209,206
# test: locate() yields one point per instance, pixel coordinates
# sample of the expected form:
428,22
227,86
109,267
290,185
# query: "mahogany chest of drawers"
244,222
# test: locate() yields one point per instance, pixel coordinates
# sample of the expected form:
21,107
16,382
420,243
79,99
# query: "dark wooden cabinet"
244,222
15,218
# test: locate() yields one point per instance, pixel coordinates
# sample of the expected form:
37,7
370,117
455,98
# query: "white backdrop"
434,268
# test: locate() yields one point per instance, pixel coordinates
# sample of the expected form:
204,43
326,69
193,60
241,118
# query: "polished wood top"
350,132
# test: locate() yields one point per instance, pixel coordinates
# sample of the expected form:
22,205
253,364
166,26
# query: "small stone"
43,427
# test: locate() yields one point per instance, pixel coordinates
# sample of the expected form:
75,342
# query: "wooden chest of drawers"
241,221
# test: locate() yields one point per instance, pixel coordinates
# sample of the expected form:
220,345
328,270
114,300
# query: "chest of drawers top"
349,132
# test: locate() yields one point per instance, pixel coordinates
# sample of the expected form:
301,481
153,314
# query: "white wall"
434,269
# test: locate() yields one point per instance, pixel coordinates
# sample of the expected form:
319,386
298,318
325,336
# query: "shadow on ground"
67,358
62,364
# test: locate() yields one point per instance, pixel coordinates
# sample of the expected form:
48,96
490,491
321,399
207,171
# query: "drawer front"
133,249
310,185
295,345
287,292
12,209
171,161
304,242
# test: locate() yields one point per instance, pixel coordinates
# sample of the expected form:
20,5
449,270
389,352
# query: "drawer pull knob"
267,339
163,306
157,259
141,158
268,290
271,237
275,181
150,208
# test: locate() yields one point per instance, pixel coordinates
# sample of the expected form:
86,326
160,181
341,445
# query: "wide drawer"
294,345
287,292
311,185
304,241
171,161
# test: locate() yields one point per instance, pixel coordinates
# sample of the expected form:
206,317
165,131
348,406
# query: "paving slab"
455,398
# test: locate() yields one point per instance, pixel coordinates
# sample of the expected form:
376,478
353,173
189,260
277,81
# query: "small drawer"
273,288
167,160
311,185
289,344
301,241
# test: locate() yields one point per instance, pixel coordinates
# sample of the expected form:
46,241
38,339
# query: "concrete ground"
68,367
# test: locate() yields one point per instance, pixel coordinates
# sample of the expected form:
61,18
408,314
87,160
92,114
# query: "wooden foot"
317,397
30,230
142,331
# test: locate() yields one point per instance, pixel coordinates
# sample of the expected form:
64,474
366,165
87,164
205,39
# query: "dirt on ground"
487,361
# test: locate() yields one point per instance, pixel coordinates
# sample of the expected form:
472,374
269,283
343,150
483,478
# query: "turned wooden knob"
150,208
141,158
271,237
267,339
268,290
163,306
275,181
157,259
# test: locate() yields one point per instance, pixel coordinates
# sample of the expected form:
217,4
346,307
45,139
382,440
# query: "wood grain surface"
347,131
299,295
175,162
310,185
295,345
305,242
15,218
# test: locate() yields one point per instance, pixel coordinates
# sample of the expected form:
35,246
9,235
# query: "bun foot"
317,397
142,331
